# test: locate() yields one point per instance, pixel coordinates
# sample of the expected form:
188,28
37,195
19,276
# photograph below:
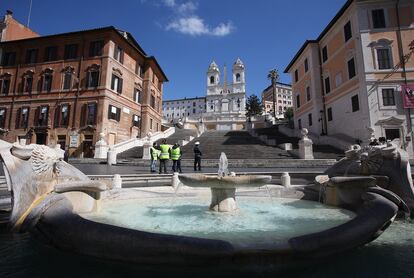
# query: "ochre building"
353,81
69,88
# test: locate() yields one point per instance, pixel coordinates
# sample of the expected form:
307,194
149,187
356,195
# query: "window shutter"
28,117
56,118
83,115
109,111
121,57
17,117
36,117
91,46
68,118
118,114
47,115
113,82
120,86
96,113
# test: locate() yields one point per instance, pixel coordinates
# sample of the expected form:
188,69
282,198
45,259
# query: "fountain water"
223,186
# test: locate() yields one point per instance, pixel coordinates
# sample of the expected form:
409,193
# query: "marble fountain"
361,196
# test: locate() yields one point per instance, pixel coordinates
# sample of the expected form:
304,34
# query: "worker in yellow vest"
154,152
176,158
164,155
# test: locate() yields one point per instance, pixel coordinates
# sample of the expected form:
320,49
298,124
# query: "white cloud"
195,26
182,8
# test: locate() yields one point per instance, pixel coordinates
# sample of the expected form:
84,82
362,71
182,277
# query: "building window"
355,103
88,114
308,94
152,102
296,76
47,81
27,83
95,48
42,115
137,95
136,120
388,97
306,65
71,51
139,70
327,86
237,77
116,83
310,119
31,56
194,110
211,79
329,112
378,18
3,117
93,76
114,113
384,58
324,54
9,59
151,124
50,54
62,113
300,123
351,68
67,79
298,101
5,84
347,31
338,79
119,54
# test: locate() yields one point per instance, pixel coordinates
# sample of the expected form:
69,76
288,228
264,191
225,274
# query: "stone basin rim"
211,181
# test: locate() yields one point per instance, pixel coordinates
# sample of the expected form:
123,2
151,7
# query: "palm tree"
273,75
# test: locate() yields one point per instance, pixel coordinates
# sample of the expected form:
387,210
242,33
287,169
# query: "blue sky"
186,35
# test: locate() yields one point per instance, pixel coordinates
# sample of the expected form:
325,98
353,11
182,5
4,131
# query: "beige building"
68,88
348,83
283,99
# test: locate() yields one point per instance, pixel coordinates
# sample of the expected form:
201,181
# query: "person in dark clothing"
197,157
374,143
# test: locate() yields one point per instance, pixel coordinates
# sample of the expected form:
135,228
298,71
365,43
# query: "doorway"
392,133
87,147
41,138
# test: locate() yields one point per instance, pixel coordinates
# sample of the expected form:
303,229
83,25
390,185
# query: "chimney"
9,14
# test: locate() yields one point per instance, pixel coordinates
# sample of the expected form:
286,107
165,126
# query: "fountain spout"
223,166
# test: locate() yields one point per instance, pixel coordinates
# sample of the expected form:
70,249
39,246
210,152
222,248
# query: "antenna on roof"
30,11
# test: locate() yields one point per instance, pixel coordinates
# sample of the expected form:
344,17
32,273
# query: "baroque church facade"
224,104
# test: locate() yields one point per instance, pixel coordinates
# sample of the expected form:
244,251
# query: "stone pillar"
111,159
305,146
146,153
223,200
117,182
285,179
101,147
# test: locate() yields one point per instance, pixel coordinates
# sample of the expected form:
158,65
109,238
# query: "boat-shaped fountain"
61,206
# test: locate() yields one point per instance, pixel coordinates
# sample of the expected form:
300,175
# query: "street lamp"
273,75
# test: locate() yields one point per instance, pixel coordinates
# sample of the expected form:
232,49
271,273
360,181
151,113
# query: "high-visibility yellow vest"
164,151
154,153
175,153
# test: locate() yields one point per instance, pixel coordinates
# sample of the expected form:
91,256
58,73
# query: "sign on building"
74,140
407,91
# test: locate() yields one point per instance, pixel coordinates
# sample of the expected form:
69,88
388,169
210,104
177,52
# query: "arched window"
211,79
237,77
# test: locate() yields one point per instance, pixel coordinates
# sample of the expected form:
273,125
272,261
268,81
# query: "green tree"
288,113
253,106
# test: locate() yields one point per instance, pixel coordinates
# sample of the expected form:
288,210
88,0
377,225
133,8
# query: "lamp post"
273,75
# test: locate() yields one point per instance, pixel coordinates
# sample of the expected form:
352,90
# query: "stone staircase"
236,145
178,136
319,151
